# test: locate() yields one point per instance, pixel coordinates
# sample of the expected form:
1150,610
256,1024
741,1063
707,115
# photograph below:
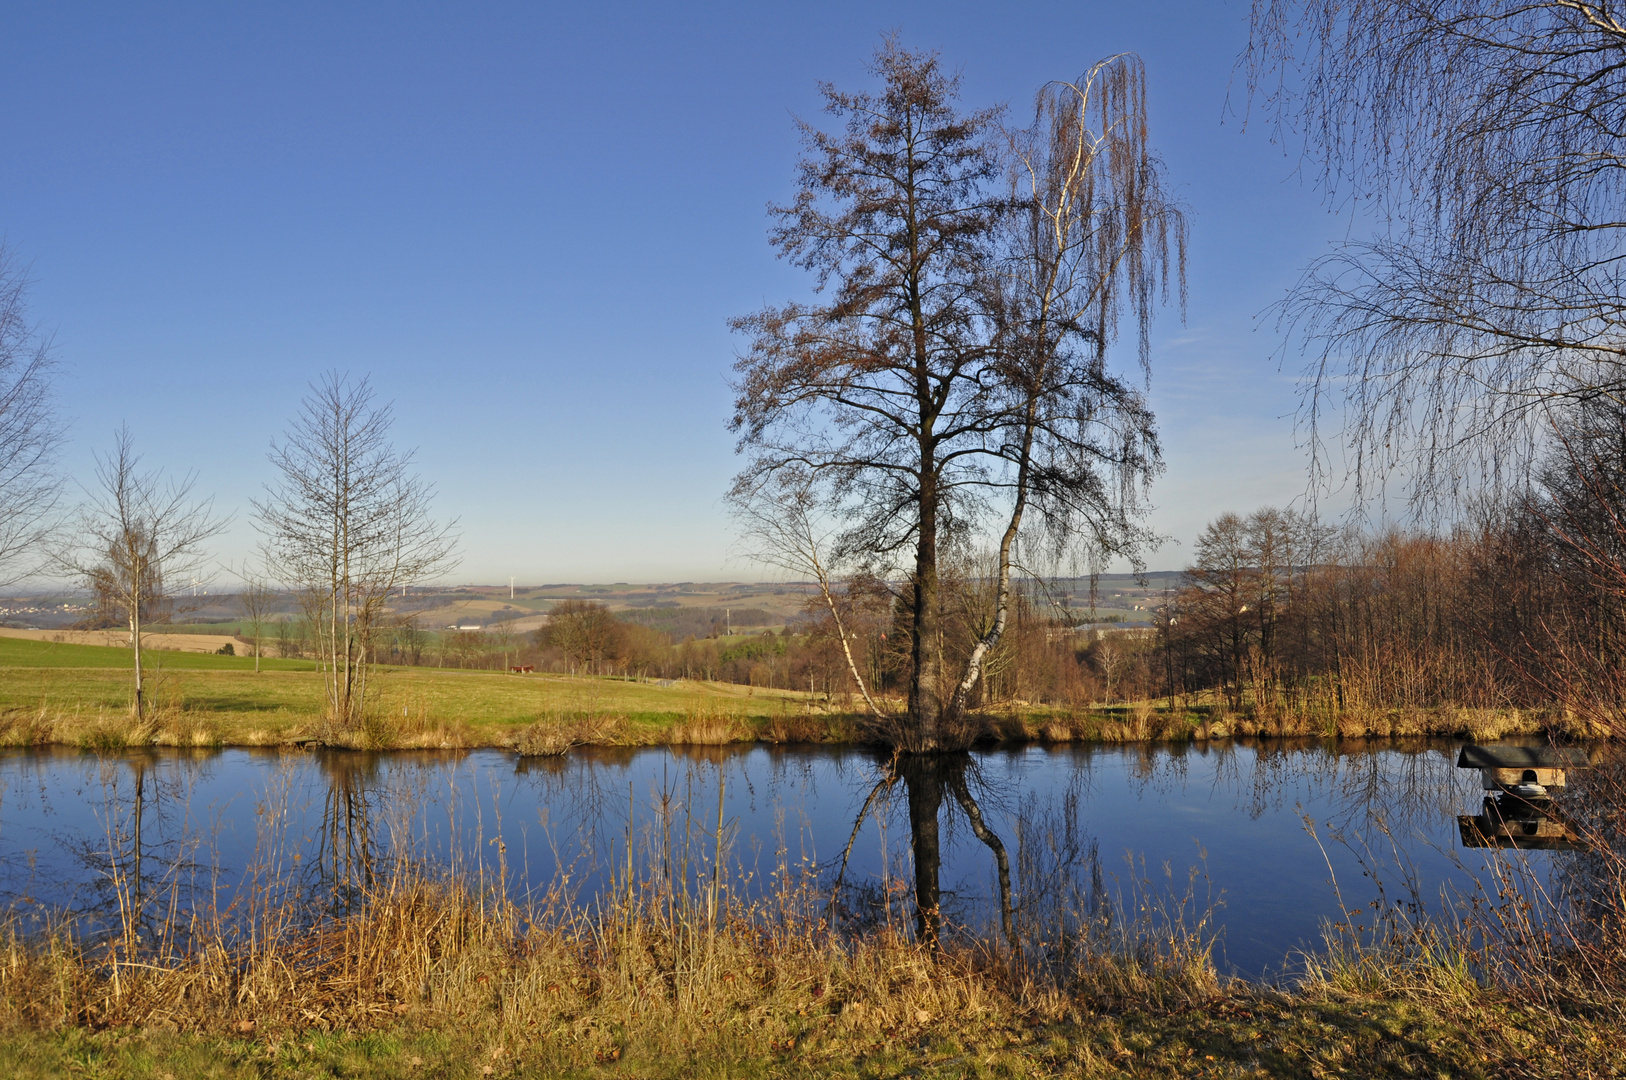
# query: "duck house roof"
1523,757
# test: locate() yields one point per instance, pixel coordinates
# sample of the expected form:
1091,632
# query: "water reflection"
1029,844
346,847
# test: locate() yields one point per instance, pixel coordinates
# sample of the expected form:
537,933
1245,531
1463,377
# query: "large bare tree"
956,377
347,522
875,390
958,374
135,531
1484,139
30,430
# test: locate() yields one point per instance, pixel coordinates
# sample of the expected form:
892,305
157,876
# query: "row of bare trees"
346,522
1521,605
1041,659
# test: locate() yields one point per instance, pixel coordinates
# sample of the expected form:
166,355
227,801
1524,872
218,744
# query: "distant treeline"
1523,605
679,623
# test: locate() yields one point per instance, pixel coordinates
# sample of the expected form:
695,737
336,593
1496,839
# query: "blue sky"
530,223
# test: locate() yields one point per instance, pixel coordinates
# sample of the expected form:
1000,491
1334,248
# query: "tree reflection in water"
927,780
143,859
347,849
1000,844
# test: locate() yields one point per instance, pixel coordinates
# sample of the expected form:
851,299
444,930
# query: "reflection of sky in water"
1242,806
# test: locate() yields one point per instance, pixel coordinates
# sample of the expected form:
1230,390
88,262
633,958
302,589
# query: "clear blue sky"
530,223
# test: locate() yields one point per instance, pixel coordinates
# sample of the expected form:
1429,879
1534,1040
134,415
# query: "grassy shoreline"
78,695
430,978
1400,1031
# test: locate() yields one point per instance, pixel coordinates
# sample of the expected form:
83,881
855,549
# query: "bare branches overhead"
30,429
1485,137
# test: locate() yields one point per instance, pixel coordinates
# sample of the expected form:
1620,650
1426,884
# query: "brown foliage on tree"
591,638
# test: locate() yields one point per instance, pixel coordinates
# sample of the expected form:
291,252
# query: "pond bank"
93,726
79,695
426,981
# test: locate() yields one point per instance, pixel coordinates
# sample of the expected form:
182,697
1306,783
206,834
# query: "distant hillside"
699,622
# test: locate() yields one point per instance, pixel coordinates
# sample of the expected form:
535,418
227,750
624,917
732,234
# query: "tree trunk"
135,645
925,696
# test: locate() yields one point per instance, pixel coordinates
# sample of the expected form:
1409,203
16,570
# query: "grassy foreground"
675,978
1320,1032
80,694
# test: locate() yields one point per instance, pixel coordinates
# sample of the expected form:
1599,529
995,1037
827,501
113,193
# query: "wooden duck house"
1520,782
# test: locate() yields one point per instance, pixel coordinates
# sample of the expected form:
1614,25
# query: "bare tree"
255,600
1485,137
1092,230
957,374
781,520
502,637
30,430
587,632
876,391
135,531
347,522
1109,658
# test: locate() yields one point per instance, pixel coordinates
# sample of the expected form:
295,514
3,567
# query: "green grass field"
80,695
81,692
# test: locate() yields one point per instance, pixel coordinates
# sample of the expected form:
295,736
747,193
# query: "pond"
1269,840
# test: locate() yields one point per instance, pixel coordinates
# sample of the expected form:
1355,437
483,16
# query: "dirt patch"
120,639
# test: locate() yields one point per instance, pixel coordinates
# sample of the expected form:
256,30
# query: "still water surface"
1230,821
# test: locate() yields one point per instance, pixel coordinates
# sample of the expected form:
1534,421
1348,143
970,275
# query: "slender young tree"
782,521
347,522
135,531
254,600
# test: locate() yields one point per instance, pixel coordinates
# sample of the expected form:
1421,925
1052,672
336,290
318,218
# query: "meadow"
65,693
52,692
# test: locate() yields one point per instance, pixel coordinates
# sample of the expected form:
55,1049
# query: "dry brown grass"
705,727
687,966
662,979
561,732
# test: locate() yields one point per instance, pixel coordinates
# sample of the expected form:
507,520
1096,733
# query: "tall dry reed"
680,950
